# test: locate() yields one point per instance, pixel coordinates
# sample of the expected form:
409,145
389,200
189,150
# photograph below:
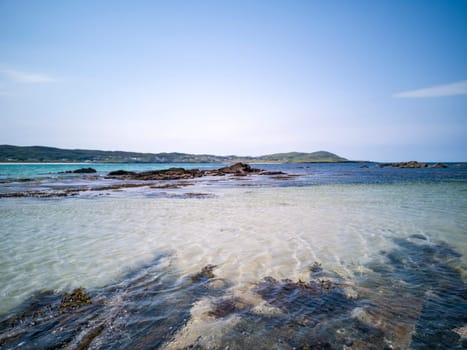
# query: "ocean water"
338,257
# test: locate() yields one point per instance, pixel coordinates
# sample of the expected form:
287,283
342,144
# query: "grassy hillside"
300,157
10,153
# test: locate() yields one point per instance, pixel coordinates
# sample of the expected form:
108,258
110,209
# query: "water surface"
340,256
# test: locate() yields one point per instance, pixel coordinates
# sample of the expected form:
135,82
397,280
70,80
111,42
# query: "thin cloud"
457,88
28,77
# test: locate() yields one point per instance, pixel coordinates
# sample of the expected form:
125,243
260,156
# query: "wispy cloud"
452,89
27,77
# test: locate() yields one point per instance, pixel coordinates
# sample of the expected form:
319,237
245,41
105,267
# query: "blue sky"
378,80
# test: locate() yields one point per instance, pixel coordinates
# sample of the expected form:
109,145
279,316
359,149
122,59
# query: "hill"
9,153
300,157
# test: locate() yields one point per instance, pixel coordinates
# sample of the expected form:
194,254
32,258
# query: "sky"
367,80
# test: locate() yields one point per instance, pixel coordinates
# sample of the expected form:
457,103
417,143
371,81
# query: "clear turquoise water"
40,170
392,243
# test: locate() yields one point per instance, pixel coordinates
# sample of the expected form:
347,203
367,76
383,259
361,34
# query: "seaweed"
205,274
76,299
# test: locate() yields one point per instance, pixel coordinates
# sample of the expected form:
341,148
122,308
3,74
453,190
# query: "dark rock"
412,164
439,166
24,180
364,166
41,194
167,174
285,177
271,173
121,172
82,171
239,169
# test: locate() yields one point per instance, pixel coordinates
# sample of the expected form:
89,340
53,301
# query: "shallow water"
392,253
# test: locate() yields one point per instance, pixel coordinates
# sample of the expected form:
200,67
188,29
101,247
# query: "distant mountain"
13,154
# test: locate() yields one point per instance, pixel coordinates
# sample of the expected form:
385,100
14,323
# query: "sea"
329,256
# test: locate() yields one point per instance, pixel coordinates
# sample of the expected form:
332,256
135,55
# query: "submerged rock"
121,172
142,311
206,273
319,297
226,307
417,301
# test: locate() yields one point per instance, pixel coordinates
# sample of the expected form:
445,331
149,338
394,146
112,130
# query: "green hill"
9,153
300,157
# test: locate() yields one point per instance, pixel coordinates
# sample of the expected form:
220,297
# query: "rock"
239,169
439,165
166,174
364,166
285,177
412,164
83,171
25,180
206,273
121,172
263,172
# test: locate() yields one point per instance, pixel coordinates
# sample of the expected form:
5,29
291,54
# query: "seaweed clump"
205,274
316,267
76,299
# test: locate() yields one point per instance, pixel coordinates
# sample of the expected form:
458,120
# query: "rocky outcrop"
121,172
82,171
413,164
166,174
238,169
439,165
